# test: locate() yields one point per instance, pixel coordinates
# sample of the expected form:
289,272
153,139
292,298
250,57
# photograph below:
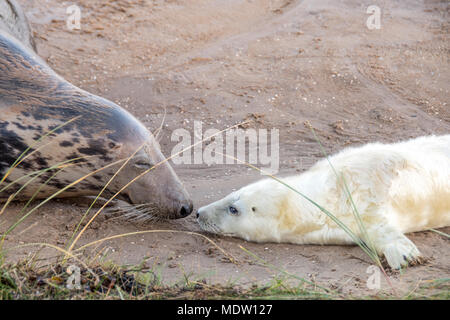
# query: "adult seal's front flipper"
14,22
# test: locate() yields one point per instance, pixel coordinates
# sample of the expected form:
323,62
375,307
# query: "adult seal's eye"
142,165
233,210
142,162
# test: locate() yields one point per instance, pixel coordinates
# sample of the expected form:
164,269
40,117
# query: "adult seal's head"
35,100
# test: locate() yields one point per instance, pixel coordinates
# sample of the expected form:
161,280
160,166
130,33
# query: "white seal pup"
397,188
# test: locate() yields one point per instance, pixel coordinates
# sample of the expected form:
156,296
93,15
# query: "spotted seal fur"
35,100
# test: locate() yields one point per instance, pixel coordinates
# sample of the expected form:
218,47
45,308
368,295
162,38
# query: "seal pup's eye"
233,210
253,209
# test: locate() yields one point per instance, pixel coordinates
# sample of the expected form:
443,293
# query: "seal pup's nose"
199,212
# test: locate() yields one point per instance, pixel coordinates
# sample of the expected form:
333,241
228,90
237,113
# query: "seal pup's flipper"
397,249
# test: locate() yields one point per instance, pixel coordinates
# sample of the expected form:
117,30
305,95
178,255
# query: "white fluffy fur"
397,188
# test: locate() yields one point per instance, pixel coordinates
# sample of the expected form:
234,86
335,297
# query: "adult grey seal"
34,100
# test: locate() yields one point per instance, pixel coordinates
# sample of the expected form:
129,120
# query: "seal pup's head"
262,211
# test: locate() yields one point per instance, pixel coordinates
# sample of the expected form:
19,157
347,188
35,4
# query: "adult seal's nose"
186,210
